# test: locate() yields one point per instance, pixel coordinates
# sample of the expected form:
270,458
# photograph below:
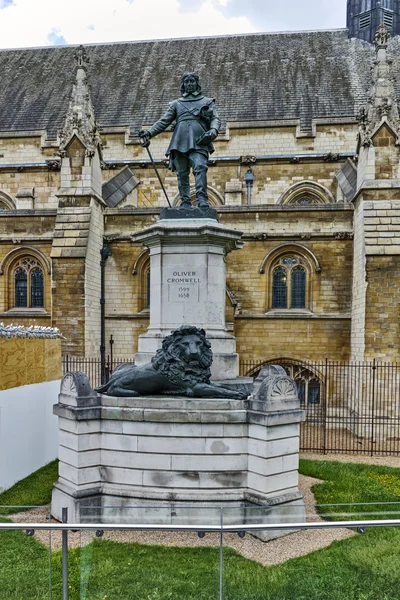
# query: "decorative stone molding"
275,390
141,260
314,192
214,197
382,106
293,247
22,251
7,201
80,119
75,390
382,36
344,235
248,160
234,301
54,163
331,157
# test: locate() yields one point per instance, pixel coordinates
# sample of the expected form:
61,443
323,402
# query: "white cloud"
93,21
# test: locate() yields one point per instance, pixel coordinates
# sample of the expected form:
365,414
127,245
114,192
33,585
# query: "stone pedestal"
188,286
179,460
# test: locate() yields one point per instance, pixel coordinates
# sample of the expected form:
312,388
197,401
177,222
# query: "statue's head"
190,84
185,356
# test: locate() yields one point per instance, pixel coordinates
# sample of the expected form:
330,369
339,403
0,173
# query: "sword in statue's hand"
145,143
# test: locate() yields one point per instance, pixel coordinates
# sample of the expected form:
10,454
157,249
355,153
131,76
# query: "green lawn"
364,567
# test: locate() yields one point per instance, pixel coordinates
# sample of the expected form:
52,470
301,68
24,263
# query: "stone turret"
78,236
375,329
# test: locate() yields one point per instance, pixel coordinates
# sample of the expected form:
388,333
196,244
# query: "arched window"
289,283
306,193
308,384
28,281
214,197
6,202
142,288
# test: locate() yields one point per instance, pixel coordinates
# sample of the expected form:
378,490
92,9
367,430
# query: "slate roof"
253,77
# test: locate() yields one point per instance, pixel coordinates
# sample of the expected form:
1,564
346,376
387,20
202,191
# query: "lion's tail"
102,388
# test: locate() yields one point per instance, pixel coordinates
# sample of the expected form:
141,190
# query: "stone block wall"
382,324
68,314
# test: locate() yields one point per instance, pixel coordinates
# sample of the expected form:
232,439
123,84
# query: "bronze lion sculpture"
180,367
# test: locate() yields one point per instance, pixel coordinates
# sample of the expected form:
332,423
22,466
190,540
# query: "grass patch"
367,486
365,567
34,490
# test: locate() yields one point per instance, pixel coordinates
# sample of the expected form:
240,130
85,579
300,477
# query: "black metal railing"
92,366
351,407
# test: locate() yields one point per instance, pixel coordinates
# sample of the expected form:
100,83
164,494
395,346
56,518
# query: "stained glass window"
289,283
37,289
314,392
28,284
279,288
298,288
301,390
289,261
21,288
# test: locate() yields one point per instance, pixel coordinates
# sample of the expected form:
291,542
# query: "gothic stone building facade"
313,115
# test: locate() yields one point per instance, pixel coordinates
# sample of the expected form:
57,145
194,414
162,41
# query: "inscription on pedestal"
184,284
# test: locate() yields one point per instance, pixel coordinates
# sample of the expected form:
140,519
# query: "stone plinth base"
170,459
193,212
188,283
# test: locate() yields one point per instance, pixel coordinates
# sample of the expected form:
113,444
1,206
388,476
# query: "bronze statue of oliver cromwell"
197,126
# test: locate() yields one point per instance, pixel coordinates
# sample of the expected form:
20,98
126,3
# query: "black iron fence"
92,366
350,407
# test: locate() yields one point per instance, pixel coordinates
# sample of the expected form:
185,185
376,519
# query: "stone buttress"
79,228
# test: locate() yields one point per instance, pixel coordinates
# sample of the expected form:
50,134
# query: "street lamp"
249,179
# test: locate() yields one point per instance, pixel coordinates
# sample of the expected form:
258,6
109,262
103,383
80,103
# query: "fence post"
64,551
221,555
107,369
325,407
111,351
67,365
373,407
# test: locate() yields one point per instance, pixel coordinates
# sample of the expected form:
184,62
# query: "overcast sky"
50,22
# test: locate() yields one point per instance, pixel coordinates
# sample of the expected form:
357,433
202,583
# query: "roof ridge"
178,39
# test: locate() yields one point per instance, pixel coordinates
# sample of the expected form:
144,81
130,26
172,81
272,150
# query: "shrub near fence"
350,407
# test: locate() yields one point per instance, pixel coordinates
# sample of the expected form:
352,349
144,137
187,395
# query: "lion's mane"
169,362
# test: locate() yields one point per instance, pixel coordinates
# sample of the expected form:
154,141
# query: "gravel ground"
271,553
